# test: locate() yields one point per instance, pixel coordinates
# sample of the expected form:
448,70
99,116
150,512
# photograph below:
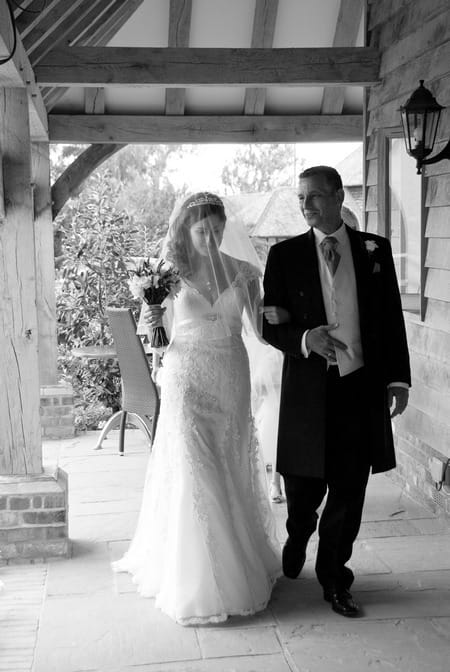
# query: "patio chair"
140,397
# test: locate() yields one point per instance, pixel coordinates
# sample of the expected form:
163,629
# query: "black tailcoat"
292,281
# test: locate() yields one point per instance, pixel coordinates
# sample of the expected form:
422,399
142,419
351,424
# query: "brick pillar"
33,517
57,416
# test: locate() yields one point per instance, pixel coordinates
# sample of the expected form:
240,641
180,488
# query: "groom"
346,364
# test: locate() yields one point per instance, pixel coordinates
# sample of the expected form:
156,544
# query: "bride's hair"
194,209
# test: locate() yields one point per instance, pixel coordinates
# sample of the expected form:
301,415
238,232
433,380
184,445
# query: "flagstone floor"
76,615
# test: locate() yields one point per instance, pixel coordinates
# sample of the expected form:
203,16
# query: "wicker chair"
139,393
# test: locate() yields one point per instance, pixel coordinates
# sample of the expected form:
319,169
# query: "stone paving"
76,615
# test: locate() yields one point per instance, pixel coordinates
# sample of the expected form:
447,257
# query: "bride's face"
206,235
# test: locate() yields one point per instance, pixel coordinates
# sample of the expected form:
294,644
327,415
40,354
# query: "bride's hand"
153,315
276,314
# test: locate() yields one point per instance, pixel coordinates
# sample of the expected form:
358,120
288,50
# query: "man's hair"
330,174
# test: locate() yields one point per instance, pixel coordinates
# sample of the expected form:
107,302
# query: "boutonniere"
371,246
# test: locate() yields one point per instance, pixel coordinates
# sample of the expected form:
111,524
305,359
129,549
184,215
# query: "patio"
75,615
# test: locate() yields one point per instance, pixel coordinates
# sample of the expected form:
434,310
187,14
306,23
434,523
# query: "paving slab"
20,608
225,642
407,554
103,527
87,571
411,645
263,663
104,631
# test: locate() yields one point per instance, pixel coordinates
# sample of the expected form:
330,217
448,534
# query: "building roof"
275,214
351,168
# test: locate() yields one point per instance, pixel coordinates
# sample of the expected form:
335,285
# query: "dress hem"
214,618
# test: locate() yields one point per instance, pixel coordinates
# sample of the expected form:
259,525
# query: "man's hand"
400,394
319,340
276,314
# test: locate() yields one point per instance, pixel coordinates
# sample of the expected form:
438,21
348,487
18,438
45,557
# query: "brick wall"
33,517
57,412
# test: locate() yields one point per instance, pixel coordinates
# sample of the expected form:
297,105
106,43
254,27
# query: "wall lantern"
420,119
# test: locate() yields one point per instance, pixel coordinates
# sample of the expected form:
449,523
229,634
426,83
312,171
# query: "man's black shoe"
293,559
342,602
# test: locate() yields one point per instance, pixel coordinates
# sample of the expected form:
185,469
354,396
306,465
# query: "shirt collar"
340,234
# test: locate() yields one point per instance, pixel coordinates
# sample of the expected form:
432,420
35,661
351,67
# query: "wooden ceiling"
120,71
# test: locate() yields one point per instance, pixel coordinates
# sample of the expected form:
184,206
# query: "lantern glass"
420,119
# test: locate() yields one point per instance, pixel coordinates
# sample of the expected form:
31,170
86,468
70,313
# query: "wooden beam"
21,451
179,31
201,129
262,37
69,183
18,73
347,27
45,264
141,66
94,101
97,34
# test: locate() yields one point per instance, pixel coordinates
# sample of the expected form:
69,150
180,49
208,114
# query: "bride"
205,544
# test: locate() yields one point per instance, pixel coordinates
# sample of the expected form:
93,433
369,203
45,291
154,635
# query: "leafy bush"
93,275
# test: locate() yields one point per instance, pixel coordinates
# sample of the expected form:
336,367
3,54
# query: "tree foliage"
121,212
260,168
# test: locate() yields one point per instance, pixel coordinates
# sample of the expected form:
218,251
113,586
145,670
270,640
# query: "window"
403,215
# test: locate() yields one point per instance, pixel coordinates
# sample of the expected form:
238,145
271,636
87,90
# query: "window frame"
384,211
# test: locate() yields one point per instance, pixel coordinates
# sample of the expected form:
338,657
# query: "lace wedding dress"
205,544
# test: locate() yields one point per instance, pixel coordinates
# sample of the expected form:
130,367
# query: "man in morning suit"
346,364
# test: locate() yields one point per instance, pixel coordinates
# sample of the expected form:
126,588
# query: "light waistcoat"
341,301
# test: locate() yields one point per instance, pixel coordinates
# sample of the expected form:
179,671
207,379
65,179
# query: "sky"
202,170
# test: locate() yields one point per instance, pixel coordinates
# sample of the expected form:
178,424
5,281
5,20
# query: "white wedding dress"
205,546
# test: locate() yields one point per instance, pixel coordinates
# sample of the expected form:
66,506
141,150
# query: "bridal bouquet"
154,280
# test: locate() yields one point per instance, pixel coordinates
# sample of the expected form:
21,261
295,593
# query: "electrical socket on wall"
438,470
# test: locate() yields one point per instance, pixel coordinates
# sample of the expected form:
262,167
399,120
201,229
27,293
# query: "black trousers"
347,469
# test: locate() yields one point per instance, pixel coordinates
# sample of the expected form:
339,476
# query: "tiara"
206,198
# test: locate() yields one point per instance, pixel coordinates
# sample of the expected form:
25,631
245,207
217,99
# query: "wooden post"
20,429
45,263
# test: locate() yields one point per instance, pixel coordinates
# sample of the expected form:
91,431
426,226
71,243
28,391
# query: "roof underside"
198,70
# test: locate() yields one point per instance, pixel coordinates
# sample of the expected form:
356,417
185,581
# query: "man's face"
320,203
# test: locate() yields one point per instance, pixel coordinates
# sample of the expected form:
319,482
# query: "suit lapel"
309,265
362,275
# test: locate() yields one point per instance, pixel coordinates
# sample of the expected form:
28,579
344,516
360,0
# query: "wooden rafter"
18,72
146,66
24,4
49,25
116,19
35,12
262,37
349,19
179,31
97,34
71,19
202,129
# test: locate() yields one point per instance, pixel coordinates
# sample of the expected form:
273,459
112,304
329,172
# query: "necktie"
330,253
